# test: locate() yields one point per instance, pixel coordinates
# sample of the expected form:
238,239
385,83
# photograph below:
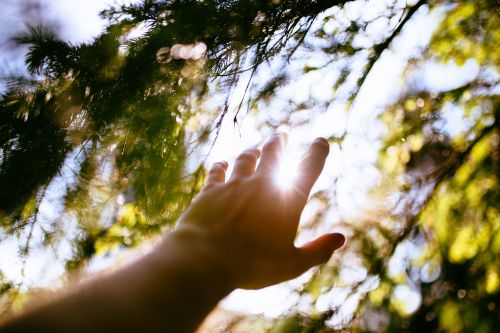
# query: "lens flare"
287,172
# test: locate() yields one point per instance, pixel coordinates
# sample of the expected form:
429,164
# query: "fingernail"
321,139
339,241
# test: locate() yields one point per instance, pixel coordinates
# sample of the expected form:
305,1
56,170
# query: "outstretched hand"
238,233
249,224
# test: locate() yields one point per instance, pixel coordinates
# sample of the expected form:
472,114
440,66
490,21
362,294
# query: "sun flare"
286,173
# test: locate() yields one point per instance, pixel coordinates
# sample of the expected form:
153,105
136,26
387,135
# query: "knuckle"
234,182
246,156
260,182
217,169
208,186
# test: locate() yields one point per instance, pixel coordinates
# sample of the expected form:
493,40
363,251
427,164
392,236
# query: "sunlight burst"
287,172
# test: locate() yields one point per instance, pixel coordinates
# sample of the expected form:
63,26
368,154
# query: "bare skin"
238,233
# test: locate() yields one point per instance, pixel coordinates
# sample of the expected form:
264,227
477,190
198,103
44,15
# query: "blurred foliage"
111,126
448,172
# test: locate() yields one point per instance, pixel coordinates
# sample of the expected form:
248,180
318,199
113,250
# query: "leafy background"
103,143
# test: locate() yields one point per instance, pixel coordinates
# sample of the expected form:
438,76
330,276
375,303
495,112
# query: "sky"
78,21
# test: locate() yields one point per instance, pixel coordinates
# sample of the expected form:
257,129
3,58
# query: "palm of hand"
252,223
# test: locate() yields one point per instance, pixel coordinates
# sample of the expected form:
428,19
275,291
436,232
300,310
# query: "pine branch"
381,47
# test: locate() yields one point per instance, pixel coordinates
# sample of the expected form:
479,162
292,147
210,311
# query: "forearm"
171,289
237,233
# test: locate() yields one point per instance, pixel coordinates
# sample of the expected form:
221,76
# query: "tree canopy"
112,135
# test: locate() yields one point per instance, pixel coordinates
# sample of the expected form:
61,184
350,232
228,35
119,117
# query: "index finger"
312,165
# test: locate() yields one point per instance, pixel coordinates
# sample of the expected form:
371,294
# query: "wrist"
191,249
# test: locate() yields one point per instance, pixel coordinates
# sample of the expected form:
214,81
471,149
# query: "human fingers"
216,174
271,152
317,251
245,163
311,166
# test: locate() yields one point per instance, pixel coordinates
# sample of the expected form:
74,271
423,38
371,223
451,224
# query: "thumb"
319,250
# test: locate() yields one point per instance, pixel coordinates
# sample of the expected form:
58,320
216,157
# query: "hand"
249,224
237,234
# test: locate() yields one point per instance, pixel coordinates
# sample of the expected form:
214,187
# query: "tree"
123,111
